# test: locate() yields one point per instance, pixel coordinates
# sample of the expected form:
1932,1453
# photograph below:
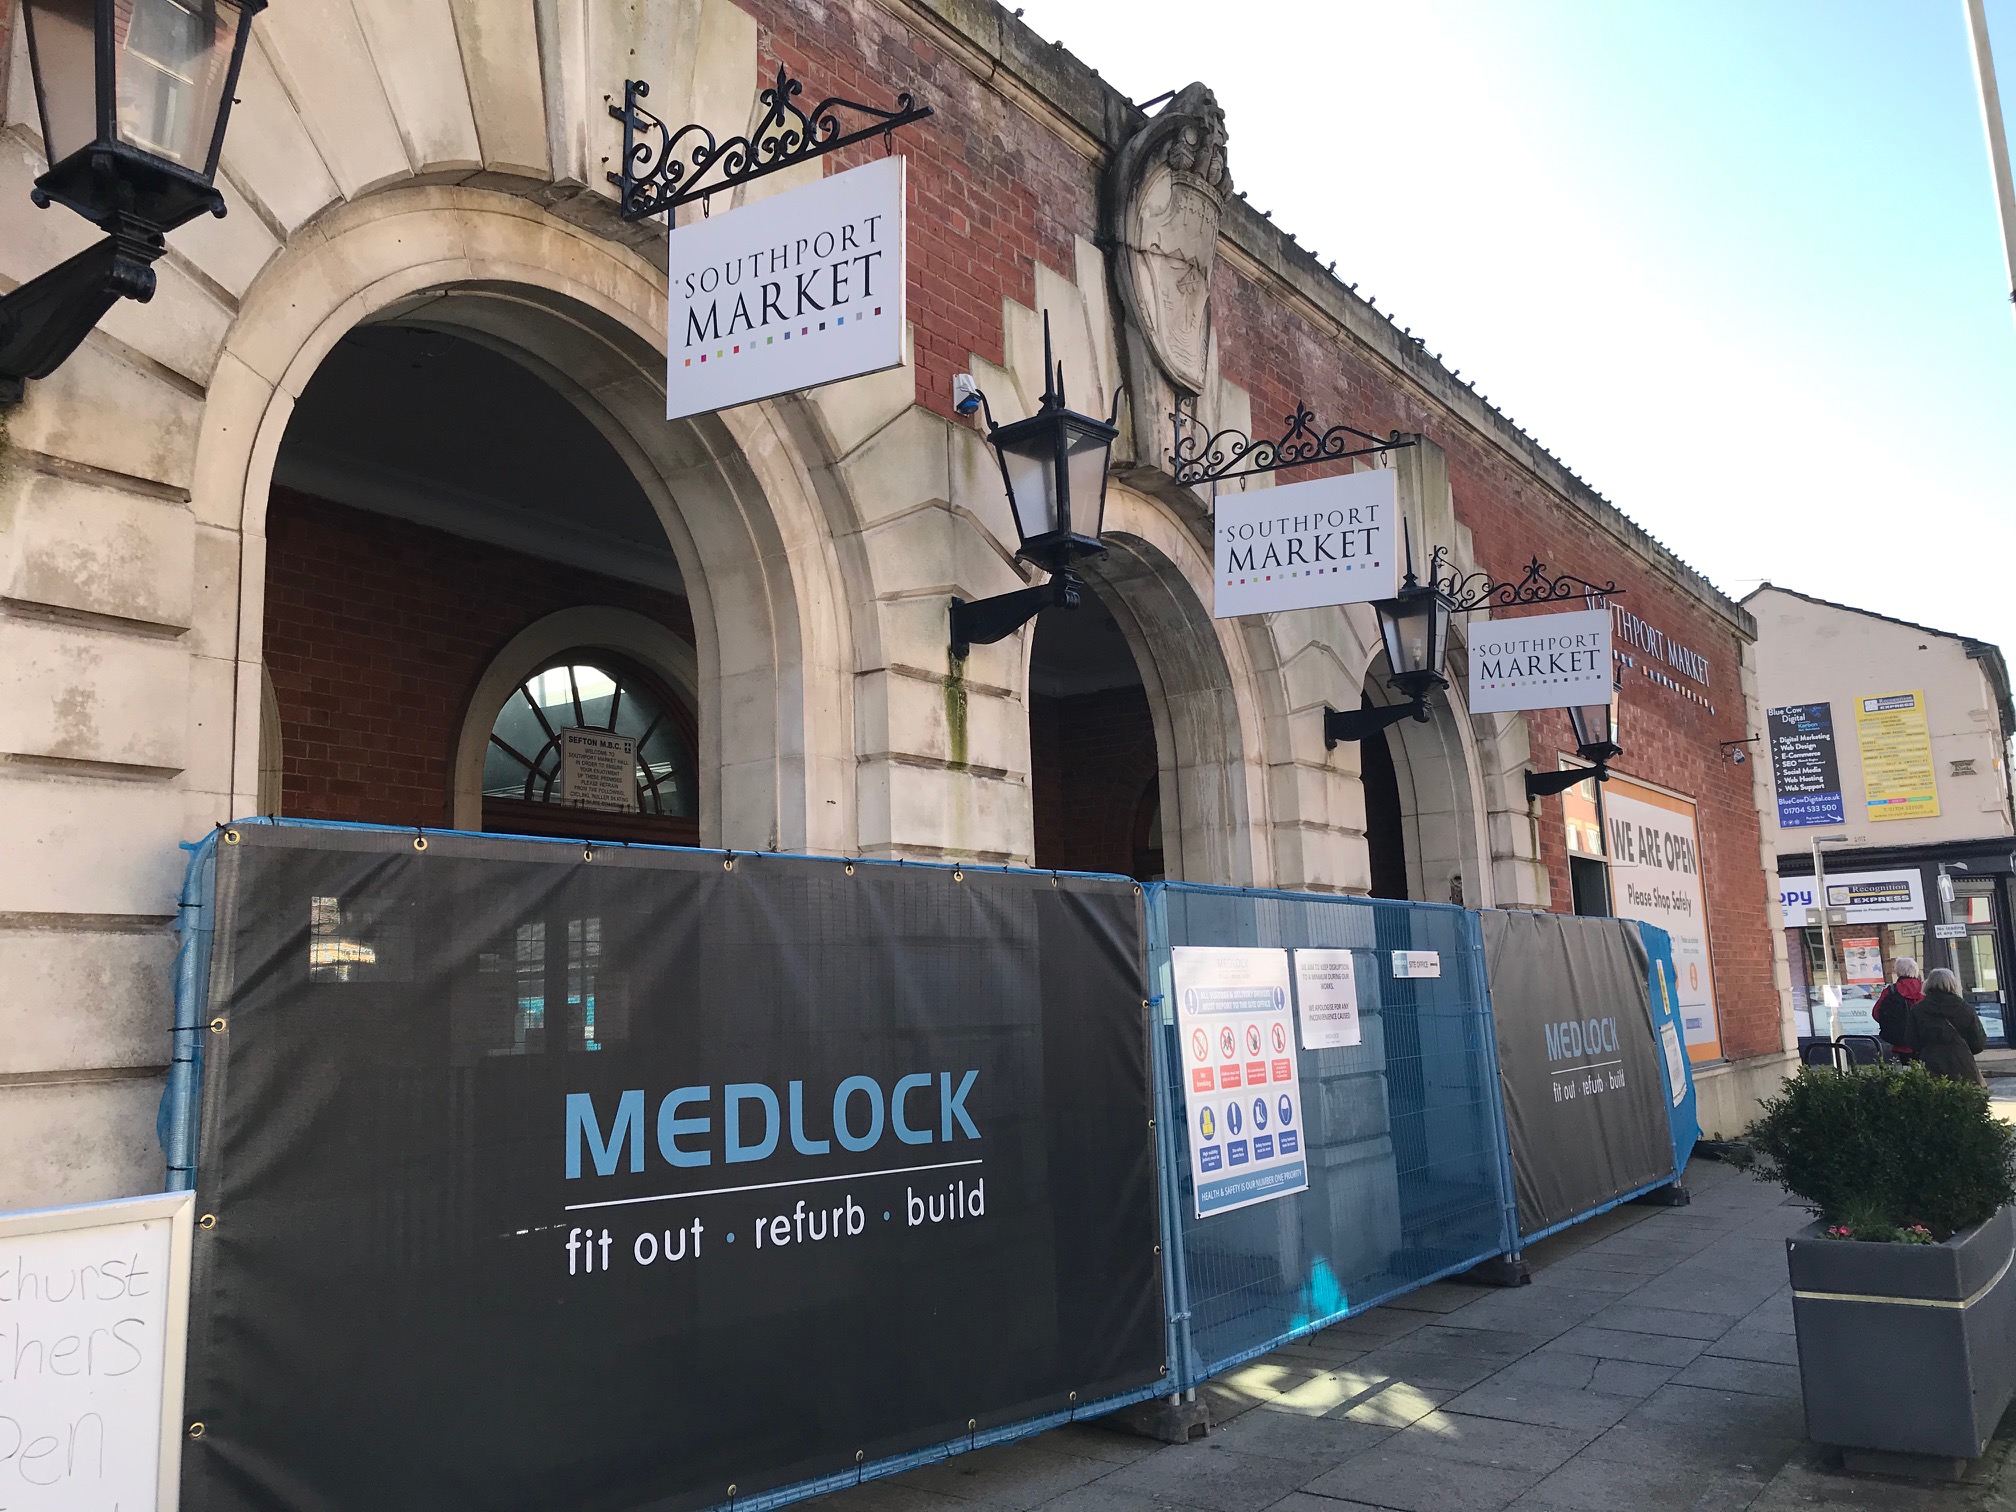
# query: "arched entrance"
1423,803
1095,782
433,502
741,512
1153,681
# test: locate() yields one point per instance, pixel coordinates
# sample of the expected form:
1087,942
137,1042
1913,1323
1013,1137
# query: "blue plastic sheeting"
1409,1178
1680,1101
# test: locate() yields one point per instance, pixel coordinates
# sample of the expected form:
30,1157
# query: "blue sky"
1735,261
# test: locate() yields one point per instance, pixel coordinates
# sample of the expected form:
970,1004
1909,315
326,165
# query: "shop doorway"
1094,777
462,573
1976,904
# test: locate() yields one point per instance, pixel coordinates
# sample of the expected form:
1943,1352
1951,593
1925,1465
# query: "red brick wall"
377,633
1668,740
1092,758
994,190
991,192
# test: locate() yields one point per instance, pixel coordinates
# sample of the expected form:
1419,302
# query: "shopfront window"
1588,868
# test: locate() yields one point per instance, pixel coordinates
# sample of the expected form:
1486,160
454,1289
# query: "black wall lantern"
1053,466
1415,627
134,96
1595,727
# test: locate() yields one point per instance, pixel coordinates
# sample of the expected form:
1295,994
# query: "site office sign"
797,290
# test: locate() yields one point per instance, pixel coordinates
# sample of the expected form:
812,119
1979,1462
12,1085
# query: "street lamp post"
1053,466
133,97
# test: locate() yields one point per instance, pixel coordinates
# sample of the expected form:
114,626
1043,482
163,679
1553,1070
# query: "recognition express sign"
1243,1091
548,1181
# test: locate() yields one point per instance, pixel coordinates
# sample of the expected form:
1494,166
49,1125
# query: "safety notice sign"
1242,1086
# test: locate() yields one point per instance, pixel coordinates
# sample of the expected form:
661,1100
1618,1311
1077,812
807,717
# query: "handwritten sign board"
93,1320
598,770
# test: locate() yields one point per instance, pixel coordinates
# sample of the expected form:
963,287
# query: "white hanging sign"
94,1309
1242,1085
1540,661
796,290
1304,545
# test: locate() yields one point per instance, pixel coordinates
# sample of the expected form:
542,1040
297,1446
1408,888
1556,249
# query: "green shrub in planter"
1881,1149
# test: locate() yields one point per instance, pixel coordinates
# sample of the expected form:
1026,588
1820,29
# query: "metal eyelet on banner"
230,837
731,1488
218,1026
587,853
860,1455
972,1425
728,863
850,868
1137,889
195,1430
957,875
207,1221
1074,1396
419,842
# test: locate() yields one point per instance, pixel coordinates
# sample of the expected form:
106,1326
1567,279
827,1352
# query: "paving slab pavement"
1651,1365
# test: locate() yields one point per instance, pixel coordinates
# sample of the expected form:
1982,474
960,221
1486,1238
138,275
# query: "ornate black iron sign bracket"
1201,456
663,169
1470,591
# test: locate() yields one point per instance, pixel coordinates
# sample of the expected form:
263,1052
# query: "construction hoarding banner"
549,1176
1584,1073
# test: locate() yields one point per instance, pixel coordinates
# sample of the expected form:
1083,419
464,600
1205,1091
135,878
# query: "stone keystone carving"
1166,191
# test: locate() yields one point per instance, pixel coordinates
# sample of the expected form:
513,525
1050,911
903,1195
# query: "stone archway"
735,495
1199,687
1435,775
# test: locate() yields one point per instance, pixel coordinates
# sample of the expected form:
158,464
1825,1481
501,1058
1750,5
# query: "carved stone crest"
1166,191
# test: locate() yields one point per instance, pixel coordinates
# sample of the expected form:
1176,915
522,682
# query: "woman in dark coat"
1945,1031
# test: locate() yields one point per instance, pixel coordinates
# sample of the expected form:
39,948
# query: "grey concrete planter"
1906,1348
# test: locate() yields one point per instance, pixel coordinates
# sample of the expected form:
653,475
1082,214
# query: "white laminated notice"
1242,1085
1417,963
1326,993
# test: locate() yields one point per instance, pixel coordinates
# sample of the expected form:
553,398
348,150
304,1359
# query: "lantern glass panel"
1031,470
1408,624
1594,724
61,34
1085,468
173,64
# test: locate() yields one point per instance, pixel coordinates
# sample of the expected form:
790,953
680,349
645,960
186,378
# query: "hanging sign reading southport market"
800,289
1304,545
650,1180
1540,661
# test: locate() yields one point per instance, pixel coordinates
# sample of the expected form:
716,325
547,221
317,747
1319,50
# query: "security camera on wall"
965,393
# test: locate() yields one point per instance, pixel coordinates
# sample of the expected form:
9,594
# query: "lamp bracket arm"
981,622
1340,725
1547,784
47,318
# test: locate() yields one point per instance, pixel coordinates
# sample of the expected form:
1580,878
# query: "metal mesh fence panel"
1407,1167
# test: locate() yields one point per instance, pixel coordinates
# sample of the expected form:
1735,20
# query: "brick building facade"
311,606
